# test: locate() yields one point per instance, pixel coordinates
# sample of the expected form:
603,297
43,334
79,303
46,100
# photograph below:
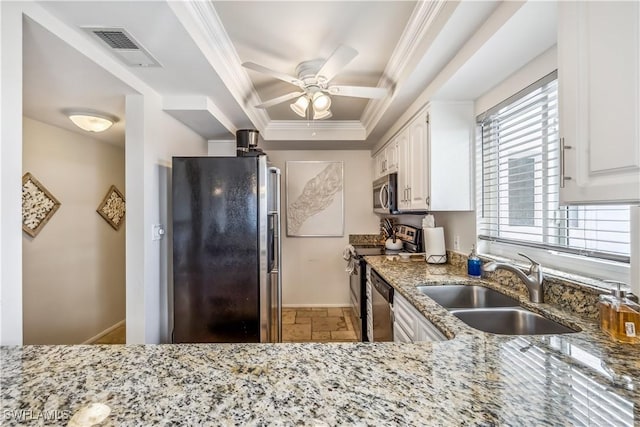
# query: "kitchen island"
473,378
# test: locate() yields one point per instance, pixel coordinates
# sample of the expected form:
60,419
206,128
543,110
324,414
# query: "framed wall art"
315,198
112,208
38,205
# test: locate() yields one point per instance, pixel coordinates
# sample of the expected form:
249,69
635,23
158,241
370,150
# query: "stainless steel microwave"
385,190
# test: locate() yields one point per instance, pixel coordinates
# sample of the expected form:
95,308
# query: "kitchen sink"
510,321
467,296
490,311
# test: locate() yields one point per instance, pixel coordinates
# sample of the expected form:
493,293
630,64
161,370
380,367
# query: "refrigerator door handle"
278,241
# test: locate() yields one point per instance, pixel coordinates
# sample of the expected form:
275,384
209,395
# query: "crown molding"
411,41
202,22
292,130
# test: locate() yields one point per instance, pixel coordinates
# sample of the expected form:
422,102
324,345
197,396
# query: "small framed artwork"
315,198
112,208
38,205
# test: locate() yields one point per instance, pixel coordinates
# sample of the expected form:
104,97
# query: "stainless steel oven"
385,190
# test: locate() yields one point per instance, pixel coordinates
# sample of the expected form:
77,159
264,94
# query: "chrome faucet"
532,278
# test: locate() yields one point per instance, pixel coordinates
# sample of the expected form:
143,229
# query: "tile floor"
298,325
317,325
117,336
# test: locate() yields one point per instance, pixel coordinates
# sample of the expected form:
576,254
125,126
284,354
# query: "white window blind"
519,147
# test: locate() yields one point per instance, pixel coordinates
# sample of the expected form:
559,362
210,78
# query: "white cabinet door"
418,161
391,156
434,159
399,335
404,170
599,90
386,160
413,188
379,164
425,331
403,316
411,326
450,135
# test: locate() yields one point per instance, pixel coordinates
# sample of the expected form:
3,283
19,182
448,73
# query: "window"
518,160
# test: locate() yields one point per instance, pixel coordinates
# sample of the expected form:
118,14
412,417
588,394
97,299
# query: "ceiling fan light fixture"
321,102
300,106
91,121
319,115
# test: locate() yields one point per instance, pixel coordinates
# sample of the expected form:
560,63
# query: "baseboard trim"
315,305
105,332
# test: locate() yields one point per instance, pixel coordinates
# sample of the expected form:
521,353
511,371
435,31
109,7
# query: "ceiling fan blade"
278,75
358,91
336,62
279,100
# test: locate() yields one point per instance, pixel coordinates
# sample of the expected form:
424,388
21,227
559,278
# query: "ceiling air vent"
124,46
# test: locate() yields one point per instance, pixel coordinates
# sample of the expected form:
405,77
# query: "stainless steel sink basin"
510,321
467,296
490,311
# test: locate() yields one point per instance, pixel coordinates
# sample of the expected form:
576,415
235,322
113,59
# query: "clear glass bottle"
474,265
620,316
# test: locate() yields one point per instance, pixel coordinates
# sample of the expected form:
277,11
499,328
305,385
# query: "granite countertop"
472,379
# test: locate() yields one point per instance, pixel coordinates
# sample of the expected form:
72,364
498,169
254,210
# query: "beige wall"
74,270
314,271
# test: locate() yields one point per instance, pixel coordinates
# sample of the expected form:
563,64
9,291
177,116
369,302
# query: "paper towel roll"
434,249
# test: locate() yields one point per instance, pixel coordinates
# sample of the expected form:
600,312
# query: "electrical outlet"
456,243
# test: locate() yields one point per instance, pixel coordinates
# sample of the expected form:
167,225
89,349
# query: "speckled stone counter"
472,379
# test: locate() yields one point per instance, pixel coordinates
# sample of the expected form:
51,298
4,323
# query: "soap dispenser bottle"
620,316
474,265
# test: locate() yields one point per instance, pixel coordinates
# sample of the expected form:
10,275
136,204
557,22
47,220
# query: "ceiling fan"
313,79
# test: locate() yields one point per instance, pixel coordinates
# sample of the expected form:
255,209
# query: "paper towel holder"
436,259
434,245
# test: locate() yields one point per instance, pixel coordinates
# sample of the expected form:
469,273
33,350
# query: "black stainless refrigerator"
227,278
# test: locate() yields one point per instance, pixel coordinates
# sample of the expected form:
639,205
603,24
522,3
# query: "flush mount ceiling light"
91,121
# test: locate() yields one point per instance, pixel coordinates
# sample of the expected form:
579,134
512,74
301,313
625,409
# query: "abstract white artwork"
315,198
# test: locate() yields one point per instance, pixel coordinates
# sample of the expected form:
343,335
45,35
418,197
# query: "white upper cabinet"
418,163
386,160
412,161
404,170
451,134
599,89
391,156
432,156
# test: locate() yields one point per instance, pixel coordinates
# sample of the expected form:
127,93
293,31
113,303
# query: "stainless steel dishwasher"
382,311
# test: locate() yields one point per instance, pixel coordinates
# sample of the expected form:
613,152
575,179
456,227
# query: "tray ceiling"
200,45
